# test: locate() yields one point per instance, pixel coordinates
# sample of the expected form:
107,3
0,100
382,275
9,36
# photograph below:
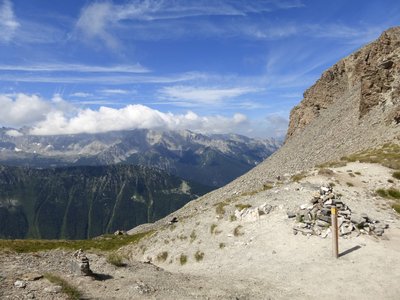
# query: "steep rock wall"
373,71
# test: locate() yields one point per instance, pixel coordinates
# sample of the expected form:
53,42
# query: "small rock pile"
315,218
81,264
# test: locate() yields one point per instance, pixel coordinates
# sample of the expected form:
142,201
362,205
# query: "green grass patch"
241,206
220,208
193,236
325,172
396,207
396,175
389,193
332,164
115,259
349,184
387,155
267,186
393,195
102,243
183,259
298,177
198,256
232,218
222,245
66,288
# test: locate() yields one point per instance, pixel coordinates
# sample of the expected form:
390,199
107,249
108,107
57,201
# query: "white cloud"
132,117
22,109
56,116
188,95
8,22
81,94
108,79
98,20
136,68
115,91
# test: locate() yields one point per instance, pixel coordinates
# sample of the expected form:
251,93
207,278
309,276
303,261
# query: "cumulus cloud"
8,22
25,110
22,109
57,117
132,117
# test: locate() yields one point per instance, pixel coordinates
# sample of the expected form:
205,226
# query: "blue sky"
206,65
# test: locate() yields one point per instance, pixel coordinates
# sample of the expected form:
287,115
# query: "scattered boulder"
173,220
291,214
120,232
315,218
20,284
253,213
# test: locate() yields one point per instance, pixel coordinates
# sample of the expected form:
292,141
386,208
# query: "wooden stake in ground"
335,242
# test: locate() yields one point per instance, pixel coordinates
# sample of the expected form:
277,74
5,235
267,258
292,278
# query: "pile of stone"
80,264
315,218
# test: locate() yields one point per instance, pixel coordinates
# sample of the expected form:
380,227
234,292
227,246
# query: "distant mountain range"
212,160
83,202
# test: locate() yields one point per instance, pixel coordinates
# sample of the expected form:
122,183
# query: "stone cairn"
315,218
81,263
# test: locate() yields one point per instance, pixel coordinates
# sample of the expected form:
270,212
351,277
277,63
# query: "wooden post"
335,242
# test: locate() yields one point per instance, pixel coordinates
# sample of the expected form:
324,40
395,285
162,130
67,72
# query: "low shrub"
193,236
396,175
66,288
162,256
199,256
241,206
237,231
183,259
115,259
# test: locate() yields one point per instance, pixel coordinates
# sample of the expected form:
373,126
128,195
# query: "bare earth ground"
263,260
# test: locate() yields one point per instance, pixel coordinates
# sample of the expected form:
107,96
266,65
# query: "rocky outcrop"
373,71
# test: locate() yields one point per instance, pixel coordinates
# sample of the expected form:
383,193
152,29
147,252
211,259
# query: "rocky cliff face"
373,72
